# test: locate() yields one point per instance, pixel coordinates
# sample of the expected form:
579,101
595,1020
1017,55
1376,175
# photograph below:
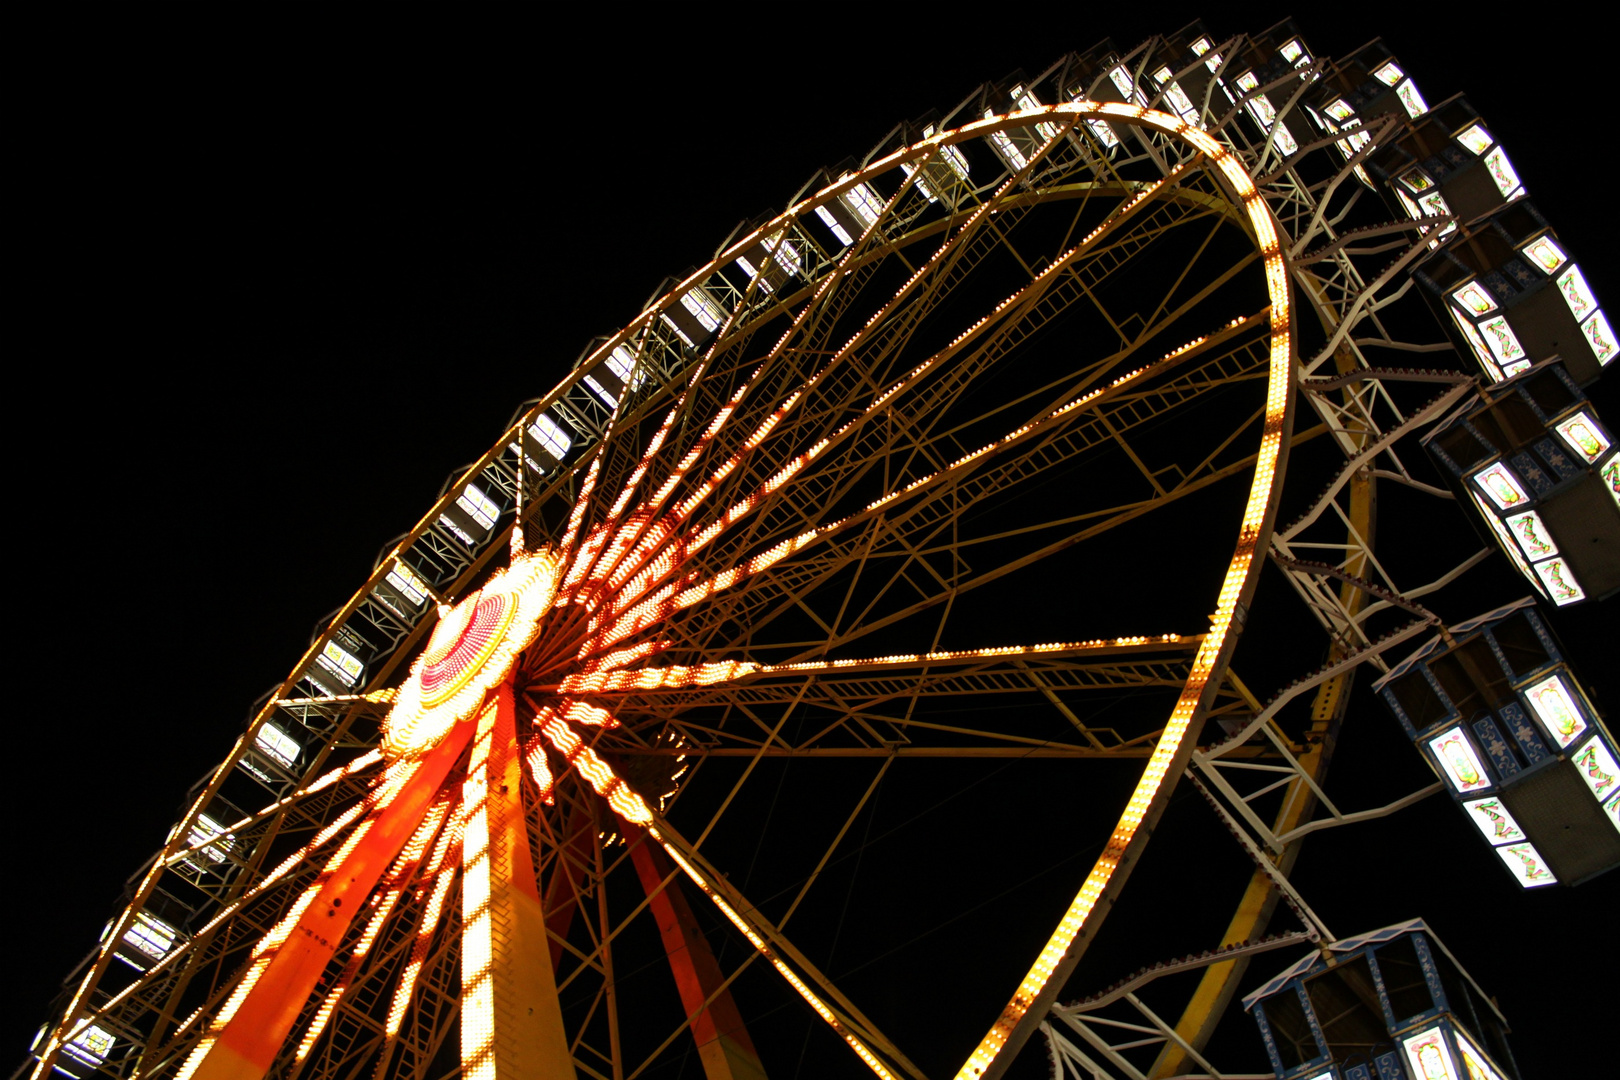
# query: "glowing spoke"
442,876
359,764
382,906
677,677
625,802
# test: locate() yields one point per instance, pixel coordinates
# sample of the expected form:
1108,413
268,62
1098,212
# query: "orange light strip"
661,604
687,506
540,770
657,678
581,712
264,952
338,823
382,906
625,802
577,515
1237,575
443,878
620,657
629,805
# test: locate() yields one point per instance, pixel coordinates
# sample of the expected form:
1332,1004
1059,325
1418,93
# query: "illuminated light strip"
692,455
540,770
653,679
768,953
264,951
364,761
647,545
657,606
477,927
620,657
583,560
606,783
376,796
443,878
1278,389
626,537
581,712
628,805
577,515
653,447
971,654
679,677
383,906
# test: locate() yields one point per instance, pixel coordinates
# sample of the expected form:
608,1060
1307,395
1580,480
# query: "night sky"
282,274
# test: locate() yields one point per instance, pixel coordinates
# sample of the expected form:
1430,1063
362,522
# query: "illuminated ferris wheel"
954,481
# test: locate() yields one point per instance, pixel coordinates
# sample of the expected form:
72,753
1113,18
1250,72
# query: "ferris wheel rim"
1249,533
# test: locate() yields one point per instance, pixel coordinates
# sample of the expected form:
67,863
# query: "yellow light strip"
342,821
678,677
577,515
657,678
629,805
477,929
1278,390
264,952
687,506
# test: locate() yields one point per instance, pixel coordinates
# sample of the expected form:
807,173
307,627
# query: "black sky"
283,271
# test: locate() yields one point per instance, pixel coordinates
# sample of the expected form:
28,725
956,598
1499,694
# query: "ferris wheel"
937,486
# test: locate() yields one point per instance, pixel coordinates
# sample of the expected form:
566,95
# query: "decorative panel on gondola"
1447,162
1496,711
1513,294
1543,472
1393,1004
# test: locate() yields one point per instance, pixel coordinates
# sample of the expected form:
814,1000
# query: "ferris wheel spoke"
767,596
778,483
818,991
